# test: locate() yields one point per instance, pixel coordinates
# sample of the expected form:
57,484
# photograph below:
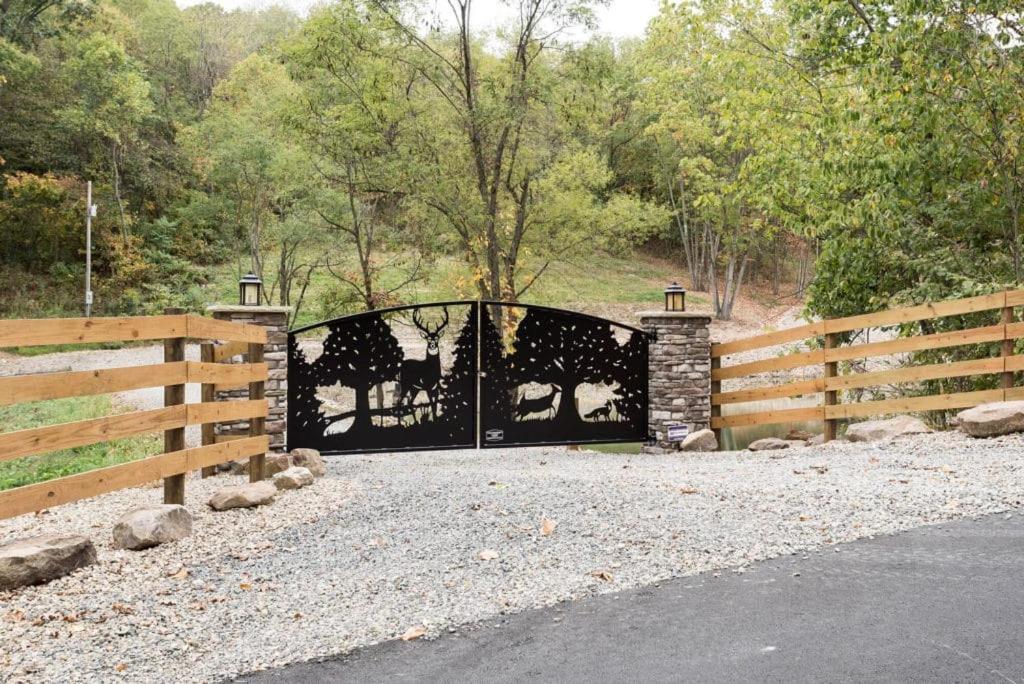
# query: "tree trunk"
117,190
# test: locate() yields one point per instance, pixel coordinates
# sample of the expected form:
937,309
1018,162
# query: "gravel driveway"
386,543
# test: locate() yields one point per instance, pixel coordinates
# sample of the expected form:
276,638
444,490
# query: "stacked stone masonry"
275,320
680,373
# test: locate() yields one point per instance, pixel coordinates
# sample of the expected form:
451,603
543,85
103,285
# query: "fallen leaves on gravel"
547,526
414,633
689,490
180,575
602,575
487,554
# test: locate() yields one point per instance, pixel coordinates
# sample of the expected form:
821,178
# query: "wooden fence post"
257,426
716,408
1006,379
207,394
831,370
174,440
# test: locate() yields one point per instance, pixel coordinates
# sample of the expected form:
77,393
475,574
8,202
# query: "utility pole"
90,212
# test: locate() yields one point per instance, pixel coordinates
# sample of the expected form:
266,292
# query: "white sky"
620,19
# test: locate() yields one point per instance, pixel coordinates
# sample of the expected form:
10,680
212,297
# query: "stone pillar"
275,320
679,366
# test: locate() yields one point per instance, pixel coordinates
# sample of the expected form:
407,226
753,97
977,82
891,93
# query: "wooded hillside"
859,152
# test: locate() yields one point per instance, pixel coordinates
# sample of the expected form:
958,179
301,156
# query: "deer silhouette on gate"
543,404
423,375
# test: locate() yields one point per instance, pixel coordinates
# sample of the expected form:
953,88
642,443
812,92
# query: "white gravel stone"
395,545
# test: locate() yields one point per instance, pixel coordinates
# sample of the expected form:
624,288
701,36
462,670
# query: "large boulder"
43,558
243,496
701,440
152,525
311,459
768,444
295,477
991,420
879,430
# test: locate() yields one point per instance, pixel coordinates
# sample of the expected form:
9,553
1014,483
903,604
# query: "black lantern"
675,298
250,289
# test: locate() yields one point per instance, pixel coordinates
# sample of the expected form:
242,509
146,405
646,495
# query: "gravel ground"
385,543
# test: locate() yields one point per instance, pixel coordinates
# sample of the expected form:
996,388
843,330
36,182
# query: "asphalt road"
939,603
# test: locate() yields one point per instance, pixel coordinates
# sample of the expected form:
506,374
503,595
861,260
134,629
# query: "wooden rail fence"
174,329
831,353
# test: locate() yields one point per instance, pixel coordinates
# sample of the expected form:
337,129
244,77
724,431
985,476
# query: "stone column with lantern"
275,320
679,367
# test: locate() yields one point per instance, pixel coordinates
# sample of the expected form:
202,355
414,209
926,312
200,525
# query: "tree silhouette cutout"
564,351
630,371
496,403
359,353
303,404
458,387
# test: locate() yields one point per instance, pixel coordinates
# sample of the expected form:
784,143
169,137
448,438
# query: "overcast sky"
621,19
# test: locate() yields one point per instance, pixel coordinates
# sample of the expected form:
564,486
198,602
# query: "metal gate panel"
550,376
399,379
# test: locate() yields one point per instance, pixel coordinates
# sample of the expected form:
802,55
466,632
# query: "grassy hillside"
599,279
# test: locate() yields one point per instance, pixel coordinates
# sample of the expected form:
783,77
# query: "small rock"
701,440
878,430
816,440
768,444
795,435
311,459
274,463
243,496
294,478
152,525
277,463
992,420
43,558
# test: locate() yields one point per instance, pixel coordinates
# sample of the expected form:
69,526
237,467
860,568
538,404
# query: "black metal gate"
408,379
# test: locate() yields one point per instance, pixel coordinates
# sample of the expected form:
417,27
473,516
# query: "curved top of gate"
379,312
466,302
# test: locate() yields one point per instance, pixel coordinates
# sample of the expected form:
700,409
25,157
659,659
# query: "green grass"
31,469
595,279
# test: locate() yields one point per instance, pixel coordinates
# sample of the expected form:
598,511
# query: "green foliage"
31,469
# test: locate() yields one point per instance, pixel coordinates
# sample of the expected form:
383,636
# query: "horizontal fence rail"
827,353
215,373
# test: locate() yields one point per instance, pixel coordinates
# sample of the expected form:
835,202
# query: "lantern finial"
250,290
675,297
